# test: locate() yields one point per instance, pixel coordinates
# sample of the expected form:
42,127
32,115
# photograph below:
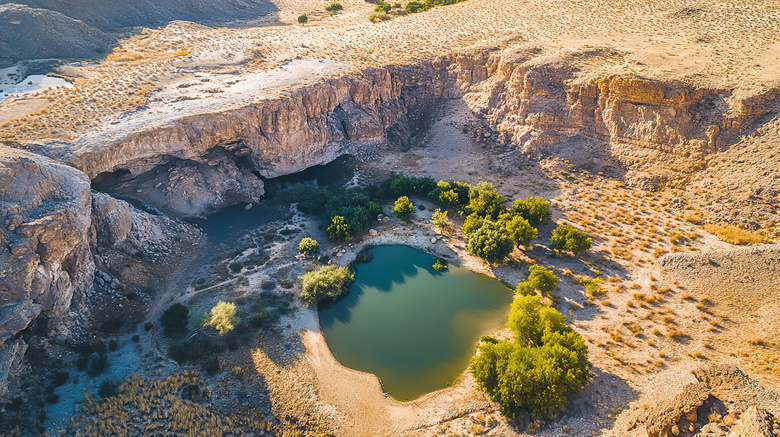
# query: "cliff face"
45,258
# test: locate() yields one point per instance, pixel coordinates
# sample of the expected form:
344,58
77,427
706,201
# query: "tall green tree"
567,238
328,282
490,242
485,201
520,231
533,209
539,278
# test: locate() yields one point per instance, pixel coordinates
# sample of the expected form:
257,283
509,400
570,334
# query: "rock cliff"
45,258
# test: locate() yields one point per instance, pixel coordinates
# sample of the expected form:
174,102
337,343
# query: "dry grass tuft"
736,235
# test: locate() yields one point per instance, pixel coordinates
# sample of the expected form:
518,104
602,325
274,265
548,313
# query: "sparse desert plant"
441,265
736,235
441,221
303,19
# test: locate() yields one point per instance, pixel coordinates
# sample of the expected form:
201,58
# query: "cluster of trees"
346,214
536,372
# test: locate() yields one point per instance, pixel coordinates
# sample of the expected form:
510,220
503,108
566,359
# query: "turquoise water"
413,327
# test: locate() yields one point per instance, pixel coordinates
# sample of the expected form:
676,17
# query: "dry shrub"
736,235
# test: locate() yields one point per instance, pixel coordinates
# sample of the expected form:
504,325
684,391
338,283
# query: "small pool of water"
411,326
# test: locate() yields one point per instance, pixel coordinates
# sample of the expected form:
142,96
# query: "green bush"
328,282
490,242
403,208
399,185
441,265
338,230
222,317
592,285
308,246
174,320
538,371
533,209
303,19
211,365
520,231
441,221
570,239
539,278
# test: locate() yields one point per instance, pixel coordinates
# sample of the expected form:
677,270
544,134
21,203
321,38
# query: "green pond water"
413,327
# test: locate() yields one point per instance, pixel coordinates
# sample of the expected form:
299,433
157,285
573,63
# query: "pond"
411,326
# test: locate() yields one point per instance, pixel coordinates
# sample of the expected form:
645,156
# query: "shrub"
308,246
108,389
174,320
441,265
570,239
490,242
536,372
403,208
211,366
399,185
533,209
520,231
303,19
441,221
222,317
593,285
338,230
539,278
736,235
60,378
329,282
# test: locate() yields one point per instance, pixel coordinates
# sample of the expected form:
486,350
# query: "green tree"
329,282
490,242
538,371
539,278
403,208
530,319
471,224
222,317
485,201
533,209
441,221
520,231
308,246
303,19
570,239
338,230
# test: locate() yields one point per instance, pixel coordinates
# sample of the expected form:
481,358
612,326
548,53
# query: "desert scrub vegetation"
326,283
736,235
177,405
536,372
384,11
441,265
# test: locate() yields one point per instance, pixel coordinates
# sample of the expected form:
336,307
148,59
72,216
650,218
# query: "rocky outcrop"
754,422
44,258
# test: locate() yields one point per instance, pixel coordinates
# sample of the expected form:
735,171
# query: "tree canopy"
537,371
222,317
308,246
490,242
403,208
539,278
520,231
567,238
328,282
533,209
